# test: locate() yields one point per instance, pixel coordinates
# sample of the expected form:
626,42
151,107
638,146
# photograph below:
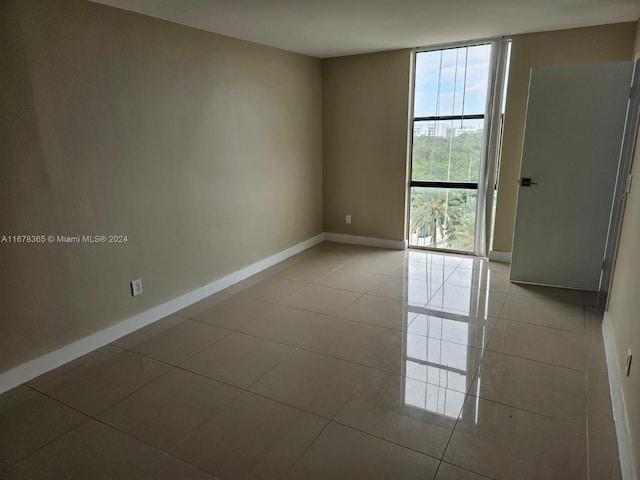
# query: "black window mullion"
463,185
479,116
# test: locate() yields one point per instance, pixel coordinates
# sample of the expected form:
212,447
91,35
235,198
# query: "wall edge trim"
47,362
366,241
623,435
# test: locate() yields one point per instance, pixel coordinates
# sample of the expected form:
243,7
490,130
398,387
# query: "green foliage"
428,213
461,225
440,215
430,160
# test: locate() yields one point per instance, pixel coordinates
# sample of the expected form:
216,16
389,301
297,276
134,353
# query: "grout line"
87,418
541,326
68,432
275,365
387,440
165,452
315,439
467,470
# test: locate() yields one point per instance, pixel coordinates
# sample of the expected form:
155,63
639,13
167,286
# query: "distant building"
431,129
469,129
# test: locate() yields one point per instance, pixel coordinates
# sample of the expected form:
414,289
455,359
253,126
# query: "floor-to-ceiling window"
458,97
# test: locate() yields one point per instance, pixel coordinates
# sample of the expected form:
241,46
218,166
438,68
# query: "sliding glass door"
455,96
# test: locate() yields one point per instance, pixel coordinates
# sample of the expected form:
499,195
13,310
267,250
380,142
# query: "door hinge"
629,180
632,91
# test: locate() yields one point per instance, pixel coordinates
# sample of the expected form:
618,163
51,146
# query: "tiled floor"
342,362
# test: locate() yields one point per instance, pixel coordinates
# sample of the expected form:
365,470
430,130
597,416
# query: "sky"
461,89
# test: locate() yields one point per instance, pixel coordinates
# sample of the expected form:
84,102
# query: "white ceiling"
328,28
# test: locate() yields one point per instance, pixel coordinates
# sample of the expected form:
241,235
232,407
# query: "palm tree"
429,214
461,224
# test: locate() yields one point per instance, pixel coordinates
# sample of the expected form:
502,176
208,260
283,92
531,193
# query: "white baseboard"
497,256
257,267
623,434
33,368
367,241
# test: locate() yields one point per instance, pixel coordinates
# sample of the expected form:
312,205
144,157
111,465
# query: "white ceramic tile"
250,436
548,345
547,313
238,359
315,298
404,411
472,330
172,339
315,383
352,280
346,454
550,390
504,442
381,311
168,410
96,381
467,301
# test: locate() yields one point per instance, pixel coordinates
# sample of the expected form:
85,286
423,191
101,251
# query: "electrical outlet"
628,362
347,219
136,287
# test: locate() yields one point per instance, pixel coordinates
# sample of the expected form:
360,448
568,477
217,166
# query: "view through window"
450,99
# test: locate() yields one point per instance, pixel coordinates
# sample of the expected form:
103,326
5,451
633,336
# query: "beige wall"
206,151
365,106
607,43
624,303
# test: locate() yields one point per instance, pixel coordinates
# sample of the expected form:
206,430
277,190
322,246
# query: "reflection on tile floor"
342,362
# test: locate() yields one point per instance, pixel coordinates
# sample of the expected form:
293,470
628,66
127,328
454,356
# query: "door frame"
623,180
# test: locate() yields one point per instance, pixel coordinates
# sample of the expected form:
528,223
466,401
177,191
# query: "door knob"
526,182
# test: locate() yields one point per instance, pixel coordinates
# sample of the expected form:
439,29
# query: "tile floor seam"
389,298
337,422
278,363
127,395
350,396
136,390
88,419
435,474
541,326
460,342
467,470
306,449
252,392
535,360
542,299
322,313
453,429
551,417
343,318
168,453
202,322
563,421
586,421
307,349
296,348
130,349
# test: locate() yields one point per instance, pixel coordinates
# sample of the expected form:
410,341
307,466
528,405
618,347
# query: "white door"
573,134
